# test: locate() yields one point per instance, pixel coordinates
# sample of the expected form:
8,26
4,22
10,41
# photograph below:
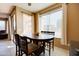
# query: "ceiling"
5,7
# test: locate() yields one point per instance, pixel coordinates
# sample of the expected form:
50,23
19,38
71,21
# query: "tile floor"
7,48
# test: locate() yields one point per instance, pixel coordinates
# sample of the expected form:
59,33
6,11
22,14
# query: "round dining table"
42,37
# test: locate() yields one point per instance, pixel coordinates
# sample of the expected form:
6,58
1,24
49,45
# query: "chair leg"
16,50
44,48
19,52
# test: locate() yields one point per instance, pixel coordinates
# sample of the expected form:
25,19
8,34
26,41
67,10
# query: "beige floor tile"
7,48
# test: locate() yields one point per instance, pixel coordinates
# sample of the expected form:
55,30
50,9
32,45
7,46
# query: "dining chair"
17,43
49,44
28,48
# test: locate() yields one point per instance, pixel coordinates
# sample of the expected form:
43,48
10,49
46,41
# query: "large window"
2,25
27,23
52,21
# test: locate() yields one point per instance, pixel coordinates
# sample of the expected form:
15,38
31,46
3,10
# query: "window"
52,21
27,23
2,25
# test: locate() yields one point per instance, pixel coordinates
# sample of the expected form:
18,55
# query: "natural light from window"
27,23
2,25
52,22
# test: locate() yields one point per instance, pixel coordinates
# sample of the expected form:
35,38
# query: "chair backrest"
48,32
17,40
23,44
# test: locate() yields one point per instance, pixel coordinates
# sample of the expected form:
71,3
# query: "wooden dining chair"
49,44
17,43
28,48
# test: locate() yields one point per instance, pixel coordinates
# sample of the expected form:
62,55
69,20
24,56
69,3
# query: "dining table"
41,37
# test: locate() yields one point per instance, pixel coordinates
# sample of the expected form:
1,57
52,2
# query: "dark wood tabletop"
40,37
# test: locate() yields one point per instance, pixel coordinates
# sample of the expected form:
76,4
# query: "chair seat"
28,48
31,48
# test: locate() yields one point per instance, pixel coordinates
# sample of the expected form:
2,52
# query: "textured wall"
73,22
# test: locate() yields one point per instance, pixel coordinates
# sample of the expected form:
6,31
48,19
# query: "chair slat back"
17,40
24,44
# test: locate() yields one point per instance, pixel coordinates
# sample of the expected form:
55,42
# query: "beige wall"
73,22
9,28
19,21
